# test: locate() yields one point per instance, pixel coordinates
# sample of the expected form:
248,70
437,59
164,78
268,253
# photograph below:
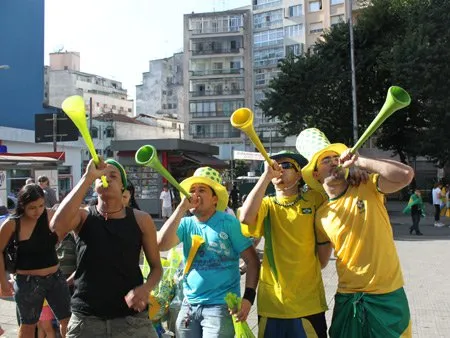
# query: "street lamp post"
352,61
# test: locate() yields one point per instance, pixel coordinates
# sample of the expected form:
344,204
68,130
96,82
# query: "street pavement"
425,262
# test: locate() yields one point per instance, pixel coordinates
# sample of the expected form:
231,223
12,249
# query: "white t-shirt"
436,195
165,197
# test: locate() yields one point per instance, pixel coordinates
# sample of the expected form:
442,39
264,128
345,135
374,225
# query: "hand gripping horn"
147,156
397,98
73,106
242,119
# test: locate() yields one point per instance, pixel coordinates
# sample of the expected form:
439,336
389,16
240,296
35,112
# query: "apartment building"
217,75
281,28
278,30
63,78
161,91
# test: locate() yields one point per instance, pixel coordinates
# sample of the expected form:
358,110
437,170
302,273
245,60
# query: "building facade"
21,62
161,91
63,78
278,31
217,75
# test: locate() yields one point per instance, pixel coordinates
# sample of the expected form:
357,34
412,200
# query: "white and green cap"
311,143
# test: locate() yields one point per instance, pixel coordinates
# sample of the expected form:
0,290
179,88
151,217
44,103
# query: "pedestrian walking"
416,208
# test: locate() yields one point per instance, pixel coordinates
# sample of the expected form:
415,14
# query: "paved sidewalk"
425,262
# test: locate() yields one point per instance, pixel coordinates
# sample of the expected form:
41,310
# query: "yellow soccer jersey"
290,284
358,226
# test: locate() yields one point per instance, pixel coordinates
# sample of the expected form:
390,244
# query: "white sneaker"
438,224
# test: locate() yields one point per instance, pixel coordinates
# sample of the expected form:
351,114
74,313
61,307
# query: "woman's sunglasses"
288,165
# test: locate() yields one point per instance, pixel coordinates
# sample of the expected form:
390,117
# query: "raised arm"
167,236
393,174
249,210
69,216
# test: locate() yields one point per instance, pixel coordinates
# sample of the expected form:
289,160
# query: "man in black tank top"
110,298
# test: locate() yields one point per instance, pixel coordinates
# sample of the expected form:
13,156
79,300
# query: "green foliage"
397,42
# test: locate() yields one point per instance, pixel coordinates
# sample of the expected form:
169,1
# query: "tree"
401,42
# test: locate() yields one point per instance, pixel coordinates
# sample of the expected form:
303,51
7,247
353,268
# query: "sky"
116,38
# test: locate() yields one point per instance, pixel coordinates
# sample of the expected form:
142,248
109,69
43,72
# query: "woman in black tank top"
37,274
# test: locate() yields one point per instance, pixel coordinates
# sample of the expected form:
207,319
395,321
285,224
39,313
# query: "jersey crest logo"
306,211
361,206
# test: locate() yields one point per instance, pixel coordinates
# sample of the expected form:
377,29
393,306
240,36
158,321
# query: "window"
169,93
94,132
260,79
315,6
233,45
296,49
269,38
235,65
295,10
268,19
109,132
294,30
336,2
217,67
169,106
267,57
129,110
113,106
66,68
316,27
335,19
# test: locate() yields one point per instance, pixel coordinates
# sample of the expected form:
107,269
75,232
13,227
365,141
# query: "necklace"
105,214
290,204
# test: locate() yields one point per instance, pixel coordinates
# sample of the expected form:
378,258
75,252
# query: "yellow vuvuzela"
73,106
197,241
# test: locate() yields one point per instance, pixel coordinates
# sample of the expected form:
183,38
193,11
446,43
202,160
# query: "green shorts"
365,315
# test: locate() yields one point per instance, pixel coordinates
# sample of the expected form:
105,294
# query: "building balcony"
216,51
210,114
209,72
267,25
267,6
269,44
217,31
217,135
224,92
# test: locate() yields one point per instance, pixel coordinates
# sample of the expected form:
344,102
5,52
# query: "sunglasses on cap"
288,165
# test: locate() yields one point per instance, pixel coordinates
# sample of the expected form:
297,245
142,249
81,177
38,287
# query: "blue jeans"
208,321
30,292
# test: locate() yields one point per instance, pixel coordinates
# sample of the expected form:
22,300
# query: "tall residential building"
63,78
217,75
161,91
278,30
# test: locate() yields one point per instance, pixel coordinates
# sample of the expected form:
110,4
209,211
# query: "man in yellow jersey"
291,296
370,300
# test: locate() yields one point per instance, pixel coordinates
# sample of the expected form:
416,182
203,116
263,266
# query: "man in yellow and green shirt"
291,296
370,300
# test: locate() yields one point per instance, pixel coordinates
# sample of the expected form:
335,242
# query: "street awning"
27,160
206,160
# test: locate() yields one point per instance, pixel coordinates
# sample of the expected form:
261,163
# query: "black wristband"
250,295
